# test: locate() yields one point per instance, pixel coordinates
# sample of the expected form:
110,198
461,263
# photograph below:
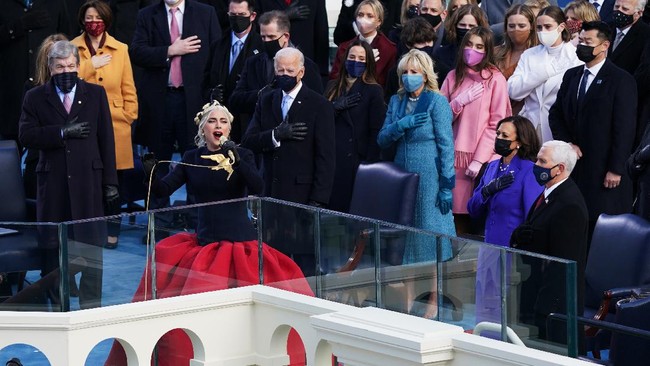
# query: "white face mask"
548,38
365,25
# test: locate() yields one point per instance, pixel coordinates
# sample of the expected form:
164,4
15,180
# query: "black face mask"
502,147
428,50
239,24
272,47
460,34
585,53
622,20
65,81
412,12
434,20
286,82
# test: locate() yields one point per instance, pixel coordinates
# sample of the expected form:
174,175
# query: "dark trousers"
173,131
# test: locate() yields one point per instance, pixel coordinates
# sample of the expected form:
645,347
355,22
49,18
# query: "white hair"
62,50
289,52
640,5
562,153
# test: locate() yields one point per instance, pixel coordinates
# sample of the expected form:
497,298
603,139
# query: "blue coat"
506,209
429,151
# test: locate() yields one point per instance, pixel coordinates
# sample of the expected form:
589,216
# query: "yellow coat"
117,78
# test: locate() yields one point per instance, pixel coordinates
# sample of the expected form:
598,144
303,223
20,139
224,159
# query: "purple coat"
506,209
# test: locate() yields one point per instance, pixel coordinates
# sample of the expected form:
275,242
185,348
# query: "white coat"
537,79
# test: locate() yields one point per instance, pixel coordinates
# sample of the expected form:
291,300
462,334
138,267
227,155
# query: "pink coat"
474,126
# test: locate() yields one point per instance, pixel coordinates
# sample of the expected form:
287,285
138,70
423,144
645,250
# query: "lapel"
597,85
276,106
53,99
573,91
160,23
296,106
357,87
626,42
80,99
188,23
550,201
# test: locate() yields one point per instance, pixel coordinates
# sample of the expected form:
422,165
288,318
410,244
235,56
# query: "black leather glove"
216,93
111,199
148,164
497,184
293,131
643,156
345,102
316,204
522,235
229,148
75,130
297,12
35,19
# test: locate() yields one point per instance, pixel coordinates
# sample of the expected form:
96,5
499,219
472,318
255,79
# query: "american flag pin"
78,102
599,81
255,52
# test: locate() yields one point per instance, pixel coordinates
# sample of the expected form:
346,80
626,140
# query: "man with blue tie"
228,56
595,112
293,129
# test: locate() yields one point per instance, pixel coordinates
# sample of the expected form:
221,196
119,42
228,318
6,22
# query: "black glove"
497,184
35,19
345,102
229,149
522,235
297,12
293,131
316,204
75,130
216,93
111,199
148,163
643,156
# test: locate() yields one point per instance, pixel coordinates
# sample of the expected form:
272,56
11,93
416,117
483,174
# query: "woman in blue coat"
503,197
418,123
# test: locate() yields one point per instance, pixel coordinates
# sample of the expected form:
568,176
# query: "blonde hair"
204,115
42,71
376,6
583,10
422,61
537,5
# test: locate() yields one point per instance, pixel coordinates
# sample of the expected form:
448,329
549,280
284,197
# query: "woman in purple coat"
503,197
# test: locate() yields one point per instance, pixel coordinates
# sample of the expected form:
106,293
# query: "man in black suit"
172,45
556,225
69,122
228,56
293,129
605,8
309,27
258,72
595,111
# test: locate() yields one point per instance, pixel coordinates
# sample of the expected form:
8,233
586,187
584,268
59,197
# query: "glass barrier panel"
29,267
215,248
347,259
289,239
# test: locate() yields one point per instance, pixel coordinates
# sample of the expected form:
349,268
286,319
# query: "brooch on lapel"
599,81
255,52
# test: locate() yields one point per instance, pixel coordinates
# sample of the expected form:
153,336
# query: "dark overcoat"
149,51
603,126
71,172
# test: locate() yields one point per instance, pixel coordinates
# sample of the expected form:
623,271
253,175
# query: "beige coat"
117,78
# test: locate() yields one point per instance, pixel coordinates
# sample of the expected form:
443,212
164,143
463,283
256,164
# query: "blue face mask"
355,68
543,175
412,82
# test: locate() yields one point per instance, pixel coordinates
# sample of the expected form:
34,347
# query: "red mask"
95,28
573,26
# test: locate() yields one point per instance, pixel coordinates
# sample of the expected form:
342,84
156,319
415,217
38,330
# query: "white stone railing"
250,325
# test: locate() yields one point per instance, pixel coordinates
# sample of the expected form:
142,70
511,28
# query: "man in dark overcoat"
293,129
69,122
598,117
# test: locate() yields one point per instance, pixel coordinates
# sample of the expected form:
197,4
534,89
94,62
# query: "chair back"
12,191
619,256
629,350
384,191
